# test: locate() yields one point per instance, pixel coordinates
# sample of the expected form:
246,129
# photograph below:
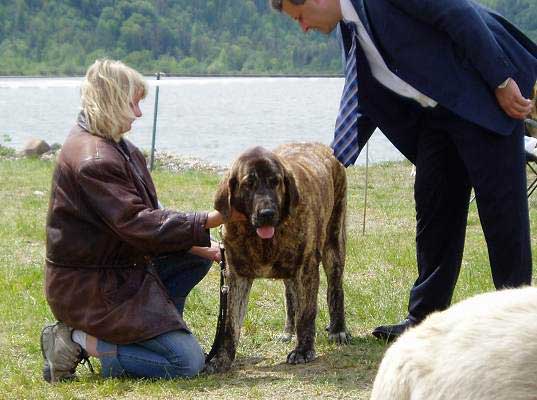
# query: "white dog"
482,348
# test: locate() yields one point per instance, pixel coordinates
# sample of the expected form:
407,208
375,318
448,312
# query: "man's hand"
512,101
211,253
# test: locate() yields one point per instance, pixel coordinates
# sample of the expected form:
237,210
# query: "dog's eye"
250,181
273,181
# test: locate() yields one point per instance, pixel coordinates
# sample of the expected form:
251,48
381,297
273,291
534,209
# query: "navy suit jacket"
454,51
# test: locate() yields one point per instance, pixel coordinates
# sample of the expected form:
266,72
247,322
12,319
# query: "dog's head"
261,187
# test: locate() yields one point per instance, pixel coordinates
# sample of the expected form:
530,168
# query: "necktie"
345,142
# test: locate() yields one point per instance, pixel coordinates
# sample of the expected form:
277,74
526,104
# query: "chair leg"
472,199
533,185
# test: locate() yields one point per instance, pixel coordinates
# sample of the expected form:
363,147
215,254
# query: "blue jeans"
169,355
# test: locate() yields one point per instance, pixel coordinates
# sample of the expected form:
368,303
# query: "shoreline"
164,160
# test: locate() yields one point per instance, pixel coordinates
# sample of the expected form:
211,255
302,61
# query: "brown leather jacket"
103,226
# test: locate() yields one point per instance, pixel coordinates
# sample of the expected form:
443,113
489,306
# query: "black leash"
222,312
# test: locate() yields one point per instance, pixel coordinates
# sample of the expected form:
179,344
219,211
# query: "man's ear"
291,197
224,195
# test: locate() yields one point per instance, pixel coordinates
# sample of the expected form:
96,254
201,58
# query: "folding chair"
531,157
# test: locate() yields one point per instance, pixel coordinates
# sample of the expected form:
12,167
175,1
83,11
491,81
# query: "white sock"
80,338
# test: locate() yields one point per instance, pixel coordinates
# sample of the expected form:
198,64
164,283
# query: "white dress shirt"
378,66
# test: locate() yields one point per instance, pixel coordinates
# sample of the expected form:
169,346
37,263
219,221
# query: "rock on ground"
35,147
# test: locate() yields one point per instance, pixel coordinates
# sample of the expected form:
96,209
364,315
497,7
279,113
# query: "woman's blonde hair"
107,93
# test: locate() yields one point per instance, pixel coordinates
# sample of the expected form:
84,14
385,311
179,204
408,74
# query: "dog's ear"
291,198
224,195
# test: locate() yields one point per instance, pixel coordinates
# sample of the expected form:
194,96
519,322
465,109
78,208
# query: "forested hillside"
62,37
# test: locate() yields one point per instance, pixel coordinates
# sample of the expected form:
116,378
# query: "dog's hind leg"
239,291
290,308
334,263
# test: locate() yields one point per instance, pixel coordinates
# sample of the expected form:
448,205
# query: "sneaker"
61,355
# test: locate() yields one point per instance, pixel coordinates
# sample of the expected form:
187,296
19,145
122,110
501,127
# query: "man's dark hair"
277,4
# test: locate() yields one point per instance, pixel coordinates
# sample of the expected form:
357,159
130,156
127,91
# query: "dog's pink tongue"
265,232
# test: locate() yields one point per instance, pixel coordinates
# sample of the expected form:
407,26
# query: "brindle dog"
295,201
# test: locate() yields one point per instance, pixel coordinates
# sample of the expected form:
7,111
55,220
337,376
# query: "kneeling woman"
118,267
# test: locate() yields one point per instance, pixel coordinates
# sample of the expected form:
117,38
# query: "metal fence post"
155,112
366,183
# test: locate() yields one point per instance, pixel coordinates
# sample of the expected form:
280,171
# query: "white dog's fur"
482,348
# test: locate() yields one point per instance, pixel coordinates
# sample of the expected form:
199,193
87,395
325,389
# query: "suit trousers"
454,155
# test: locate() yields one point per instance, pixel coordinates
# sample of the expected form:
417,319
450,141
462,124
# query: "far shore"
171,75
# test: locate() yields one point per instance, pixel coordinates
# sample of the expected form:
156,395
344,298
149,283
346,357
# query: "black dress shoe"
392,332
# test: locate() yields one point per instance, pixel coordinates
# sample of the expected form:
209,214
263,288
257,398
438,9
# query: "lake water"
213,119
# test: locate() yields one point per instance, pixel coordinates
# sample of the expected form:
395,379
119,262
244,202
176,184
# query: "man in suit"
447,81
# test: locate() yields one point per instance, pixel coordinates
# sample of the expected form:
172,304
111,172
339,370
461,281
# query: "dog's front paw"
339,337
300,357
217,365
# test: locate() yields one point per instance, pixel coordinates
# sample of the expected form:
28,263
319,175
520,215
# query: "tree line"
62,37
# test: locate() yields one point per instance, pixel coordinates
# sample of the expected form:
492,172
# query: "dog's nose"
266,214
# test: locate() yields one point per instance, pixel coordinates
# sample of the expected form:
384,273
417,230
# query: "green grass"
380,270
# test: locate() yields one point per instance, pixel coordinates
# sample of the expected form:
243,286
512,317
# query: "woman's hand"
210,253
237,216
215,218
